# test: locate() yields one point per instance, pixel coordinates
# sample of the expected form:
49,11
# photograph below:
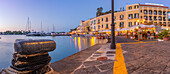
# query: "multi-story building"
134,14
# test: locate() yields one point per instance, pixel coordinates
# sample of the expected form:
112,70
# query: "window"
146,17
136,15
160,23
130,7
136,6
106,19
107,26
130,24
145,11
102,19
141,17
121,17
155,23
160,18
155,18
164,23
98,21
121,24
102,25
94,21
98,26
141,11
150,17
136,23
150,11
155,12
164,12
130,16
91,27
94,27
164,18
91,22
160,12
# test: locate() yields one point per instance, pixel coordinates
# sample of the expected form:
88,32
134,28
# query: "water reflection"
84,42
79,43
93,40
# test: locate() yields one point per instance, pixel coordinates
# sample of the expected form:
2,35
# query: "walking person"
148,35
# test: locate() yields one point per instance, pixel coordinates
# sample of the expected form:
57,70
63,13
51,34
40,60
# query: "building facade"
134,14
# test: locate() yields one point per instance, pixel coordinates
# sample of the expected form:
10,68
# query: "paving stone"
96,55
107,61
102,58
110,71
92,58
89,70
91,63
106,66
110,55
110,52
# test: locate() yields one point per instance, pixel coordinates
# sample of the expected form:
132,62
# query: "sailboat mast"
41,26
30,26
27,25
53,27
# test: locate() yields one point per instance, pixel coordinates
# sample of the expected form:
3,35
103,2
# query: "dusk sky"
64,14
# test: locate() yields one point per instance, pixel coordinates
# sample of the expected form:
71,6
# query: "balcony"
107,28
121,18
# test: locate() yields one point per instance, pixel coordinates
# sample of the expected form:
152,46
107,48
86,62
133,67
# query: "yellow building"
134,14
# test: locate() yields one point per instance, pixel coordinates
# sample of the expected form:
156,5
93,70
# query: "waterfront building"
135,14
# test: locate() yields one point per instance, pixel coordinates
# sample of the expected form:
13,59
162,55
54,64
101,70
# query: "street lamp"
113,45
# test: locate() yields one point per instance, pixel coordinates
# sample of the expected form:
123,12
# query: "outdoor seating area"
144,32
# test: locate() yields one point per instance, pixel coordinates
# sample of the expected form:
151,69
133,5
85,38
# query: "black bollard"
31,57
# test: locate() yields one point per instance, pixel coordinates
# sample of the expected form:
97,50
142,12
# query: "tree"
99,11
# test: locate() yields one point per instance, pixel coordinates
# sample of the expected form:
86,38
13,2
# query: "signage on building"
168,15
154,4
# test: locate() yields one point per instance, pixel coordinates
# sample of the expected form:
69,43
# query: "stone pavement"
93,66
147,58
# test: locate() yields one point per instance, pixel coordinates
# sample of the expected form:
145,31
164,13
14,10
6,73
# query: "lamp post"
113,45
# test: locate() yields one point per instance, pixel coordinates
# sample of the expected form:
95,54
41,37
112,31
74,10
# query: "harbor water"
65,46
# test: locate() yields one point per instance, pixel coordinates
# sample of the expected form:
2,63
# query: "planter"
165,38
126,36
160,40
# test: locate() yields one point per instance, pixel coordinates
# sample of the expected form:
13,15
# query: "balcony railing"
121,18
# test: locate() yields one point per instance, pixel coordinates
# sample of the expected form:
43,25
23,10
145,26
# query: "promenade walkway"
130,57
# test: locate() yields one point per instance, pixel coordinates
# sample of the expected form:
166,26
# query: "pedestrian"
148,35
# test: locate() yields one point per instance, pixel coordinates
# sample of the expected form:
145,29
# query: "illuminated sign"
168,15
154,4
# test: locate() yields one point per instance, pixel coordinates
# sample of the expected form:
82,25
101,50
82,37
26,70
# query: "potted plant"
165,35
131,36
126,34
